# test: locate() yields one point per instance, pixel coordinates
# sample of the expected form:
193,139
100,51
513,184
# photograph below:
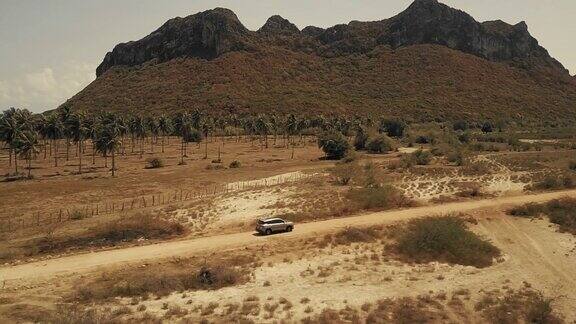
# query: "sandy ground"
534,254
90,261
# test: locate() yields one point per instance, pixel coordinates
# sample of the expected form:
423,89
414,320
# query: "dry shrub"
154,163
378,198
345,172
528,210
354,235
163,280
526,305
445,239
128,229
555,182
560,211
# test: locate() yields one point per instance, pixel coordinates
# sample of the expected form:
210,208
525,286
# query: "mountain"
430,62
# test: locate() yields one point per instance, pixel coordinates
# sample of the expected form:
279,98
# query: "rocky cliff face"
206,35
278,25
213,33
430,22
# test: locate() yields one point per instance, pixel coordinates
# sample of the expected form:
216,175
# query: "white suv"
268,226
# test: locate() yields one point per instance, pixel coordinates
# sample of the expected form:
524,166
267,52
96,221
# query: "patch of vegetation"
345,172
525,305
354,235
161,280
235,164
380,144
154,163
378,198
555,182
445,239
419,157
334,145
572,166
561,212
139,226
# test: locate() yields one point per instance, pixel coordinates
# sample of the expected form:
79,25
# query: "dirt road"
91,261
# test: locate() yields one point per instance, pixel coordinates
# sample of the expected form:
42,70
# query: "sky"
49,49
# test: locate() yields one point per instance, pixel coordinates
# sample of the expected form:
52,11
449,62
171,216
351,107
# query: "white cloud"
46,88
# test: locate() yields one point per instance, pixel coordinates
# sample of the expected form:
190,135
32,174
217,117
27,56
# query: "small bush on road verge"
445,239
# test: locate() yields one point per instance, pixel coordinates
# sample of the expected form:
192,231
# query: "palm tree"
26,145
108,139
263,128
165,128
152,126
53,130
9,129
77,130
185,128
65,113
206,127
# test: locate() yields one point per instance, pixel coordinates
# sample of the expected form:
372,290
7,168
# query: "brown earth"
421,82
91,261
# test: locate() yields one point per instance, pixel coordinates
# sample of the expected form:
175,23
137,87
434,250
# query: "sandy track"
92,261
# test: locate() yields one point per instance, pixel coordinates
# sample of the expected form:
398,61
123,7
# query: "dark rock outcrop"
430,22
277,25
212,33
207,35
312,31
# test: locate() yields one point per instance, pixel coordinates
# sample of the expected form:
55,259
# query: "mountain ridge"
211,33
442,66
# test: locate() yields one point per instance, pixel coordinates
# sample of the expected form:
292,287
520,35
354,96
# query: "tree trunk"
67,149
182,152
45,148
80,157
93,153
163,143
206,148
10,157
16,162
141,147
113,163
56,153
30,166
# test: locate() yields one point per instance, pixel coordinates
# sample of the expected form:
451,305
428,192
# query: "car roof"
270,219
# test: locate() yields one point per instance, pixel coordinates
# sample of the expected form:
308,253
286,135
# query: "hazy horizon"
50,49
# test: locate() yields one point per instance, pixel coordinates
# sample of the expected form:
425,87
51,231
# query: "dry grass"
163,279
526,305
118,231
561,212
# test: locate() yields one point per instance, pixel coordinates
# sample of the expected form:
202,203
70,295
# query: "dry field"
173,244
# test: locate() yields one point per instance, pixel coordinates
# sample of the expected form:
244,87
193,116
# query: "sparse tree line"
30,136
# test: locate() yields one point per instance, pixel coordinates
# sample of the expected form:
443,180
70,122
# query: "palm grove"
63,132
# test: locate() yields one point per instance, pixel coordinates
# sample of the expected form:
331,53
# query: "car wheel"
268,232
289,229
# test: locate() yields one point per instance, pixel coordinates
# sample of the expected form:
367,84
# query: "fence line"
38,219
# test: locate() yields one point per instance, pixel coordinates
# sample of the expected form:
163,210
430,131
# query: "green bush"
572,166
380,144
445,239
419,157
392,127
334,145
360,140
